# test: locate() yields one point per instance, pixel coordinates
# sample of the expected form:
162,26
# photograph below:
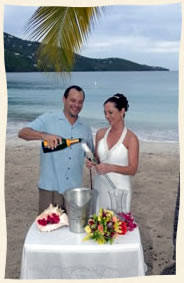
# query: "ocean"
152,96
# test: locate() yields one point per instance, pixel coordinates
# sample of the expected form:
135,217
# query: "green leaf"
62,31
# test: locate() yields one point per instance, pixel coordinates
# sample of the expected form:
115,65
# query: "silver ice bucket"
78,203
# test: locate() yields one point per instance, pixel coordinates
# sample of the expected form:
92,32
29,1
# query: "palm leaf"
62,31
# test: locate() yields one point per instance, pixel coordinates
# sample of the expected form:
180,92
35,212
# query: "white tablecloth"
61,254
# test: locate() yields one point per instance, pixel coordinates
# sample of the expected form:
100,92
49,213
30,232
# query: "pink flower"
128,218
100,227
114,219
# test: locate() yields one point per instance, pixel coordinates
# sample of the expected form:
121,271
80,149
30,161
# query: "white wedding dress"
104,195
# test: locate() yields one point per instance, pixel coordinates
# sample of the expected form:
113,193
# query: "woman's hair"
120,101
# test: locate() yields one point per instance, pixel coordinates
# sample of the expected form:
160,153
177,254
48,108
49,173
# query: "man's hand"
52,140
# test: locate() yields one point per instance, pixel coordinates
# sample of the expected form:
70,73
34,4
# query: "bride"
117,154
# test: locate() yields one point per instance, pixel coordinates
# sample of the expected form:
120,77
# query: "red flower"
112,234
123,228
128,218
103,213
55,218
42,222
91,221
51,219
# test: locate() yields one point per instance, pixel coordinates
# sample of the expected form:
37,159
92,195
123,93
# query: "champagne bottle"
87,150
65,143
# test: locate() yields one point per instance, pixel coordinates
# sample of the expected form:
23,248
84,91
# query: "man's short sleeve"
39,124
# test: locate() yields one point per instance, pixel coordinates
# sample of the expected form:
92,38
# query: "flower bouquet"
104,227
51,218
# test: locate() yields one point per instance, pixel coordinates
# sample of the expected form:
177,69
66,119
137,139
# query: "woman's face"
112,114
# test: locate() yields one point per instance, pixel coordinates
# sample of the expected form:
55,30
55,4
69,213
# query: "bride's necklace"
116,132
112,139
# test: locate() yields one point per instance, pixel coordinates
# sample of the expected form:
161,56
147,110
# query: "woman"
117,154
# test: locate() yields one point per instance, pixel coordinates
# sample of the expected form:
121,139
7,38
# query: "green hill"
20,56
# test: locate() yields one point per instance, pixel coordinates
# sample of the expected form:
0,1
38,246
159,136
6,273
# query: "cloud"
133,32
164,47
15,19
157,21
121,45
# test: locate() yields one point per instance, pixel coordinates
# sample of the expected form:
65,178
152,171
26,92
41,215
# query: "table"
61,254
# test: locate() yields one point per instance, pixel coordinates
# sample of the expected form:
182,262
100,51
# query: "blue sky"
144,34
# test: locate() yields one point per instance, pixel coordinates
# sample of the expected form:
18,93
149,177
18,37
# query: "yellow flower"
117,227
101,241
100,212
86,238
87,229
110,212
99,218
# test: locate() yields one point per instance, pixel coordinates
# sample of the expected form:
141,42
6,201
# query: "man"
60,170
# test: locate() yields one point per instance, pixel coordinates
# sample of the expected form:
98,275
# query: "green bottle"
65,143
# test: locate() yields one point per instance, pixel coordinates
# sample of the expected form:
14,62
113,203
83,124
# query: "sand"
153,202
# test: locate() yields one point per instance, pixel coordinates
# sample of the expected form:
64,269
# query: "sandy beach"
153,202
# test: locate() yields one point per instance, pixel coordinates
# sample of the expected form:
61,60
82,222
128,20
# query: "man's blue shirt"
62,170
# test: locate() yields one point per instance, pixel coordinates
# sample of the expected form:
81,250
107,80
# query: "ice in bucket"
78,202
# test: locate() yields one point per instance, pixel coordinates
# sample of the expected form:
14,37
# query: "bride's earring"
123,113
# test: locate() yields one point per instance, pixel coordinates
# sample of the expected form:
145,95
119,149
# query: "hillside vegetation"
20,56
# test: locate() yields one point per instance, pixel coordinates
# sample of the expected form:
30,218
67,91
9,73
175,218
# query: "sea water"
152,96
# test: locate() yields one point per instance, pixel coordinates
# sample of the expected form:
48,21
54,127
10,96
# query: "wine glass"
118,200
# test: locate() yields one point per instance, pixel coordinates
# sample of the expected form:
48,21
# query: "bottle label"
45,143
72,141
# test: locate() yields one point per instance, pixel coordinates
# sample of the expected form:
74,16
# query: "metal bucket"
78,203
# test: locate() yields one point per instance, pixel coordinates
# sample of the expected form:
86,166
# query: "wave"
144,134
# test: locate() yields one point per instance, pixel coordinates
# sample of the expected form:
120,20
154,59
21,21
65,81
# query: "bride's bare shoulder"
132,137
100,133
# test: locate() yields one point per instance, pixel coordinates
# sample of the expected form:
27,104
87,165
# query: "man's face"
73,103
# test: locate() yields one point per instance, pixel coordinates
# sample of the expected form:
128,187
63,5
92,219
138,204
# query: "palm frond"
62,31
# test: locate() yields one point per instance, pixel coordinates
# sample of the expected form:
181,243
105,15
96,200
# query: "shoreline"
145,146
164,133
153,201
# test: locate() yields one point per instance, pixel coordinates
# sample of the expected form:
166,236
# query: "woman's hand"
90,164
103,168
